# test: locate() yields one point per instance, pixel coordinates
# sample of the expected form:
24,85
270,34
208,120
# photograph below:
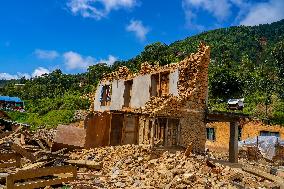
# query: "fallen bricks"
128,166
133,166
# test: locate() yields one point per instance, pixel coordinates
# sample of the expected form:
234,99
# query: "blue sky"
38,36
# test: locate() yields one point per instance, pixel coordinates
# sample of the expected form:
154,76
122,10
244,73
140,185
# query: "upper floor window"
160,84
105,95
127,92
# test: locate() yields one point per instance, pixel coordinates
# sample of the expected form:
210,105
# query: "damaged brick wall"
190,104
183,98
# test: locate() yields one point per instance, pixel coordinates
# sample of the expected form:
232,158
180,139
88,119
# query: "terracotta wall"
251,129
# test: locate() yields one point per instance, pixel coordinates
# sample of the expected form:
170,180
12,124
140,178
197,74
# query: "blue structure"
11,103
10,99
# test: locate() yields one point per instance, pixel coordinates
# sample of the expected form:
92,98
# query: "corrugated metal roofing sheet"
10,99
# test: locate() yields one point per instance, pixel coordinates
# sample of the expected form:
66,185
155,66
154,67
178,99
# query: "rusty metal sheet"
98,130
69,137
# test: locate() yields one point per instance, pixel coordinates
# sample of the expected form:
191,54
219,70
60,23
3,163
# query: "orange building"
218,133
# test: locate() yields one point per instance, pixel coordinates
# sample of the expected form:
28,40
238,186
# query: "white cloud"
220,9
46,54
98,9
73,60
19,75
246,12
263,13
40,71
111,59
36,73
6,76
138,28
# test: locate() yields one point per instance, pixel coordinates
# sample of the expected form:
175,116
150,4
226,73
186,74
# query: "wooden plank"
10,156
9,182
123,130
28,174
86,163
166,133
225,116
40,172
178,133
109,139
34,165
9,164
152,133
19,149
42,183
40,144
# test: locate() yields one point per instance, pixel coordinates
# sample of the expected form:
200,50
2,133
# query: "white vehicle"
236,104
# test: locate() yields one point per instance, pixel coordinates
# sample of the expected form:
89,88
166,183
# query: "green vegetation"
48,120
246,62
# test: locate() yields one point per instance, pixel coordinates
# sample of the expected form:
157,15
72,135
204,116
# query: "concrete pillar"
233,145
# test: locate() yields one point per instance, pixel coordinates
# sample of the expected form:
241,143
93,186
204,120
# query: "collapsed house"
162,106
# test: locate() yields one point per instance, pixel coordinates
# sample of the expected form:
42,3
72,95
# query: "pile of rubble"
122,73
133,166
147,68
128,166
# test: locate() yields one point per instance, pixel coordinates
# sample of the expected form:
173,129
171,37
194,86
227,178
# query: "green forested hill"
234,41
245,62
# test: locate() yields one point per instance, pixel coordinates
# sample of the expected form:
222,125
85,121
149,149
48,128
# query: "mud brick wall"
253,129
222,136
193,130
249,130
193,85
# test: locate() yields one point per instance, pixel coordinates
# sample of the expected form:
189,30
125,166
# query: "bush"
49,120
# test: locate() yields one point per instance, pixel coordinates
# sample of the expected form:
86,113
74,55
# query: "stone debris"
129,166
133,166
80,115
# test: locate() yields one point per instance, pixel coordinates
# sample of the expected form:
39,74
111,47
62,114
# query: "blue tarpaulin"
10,99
